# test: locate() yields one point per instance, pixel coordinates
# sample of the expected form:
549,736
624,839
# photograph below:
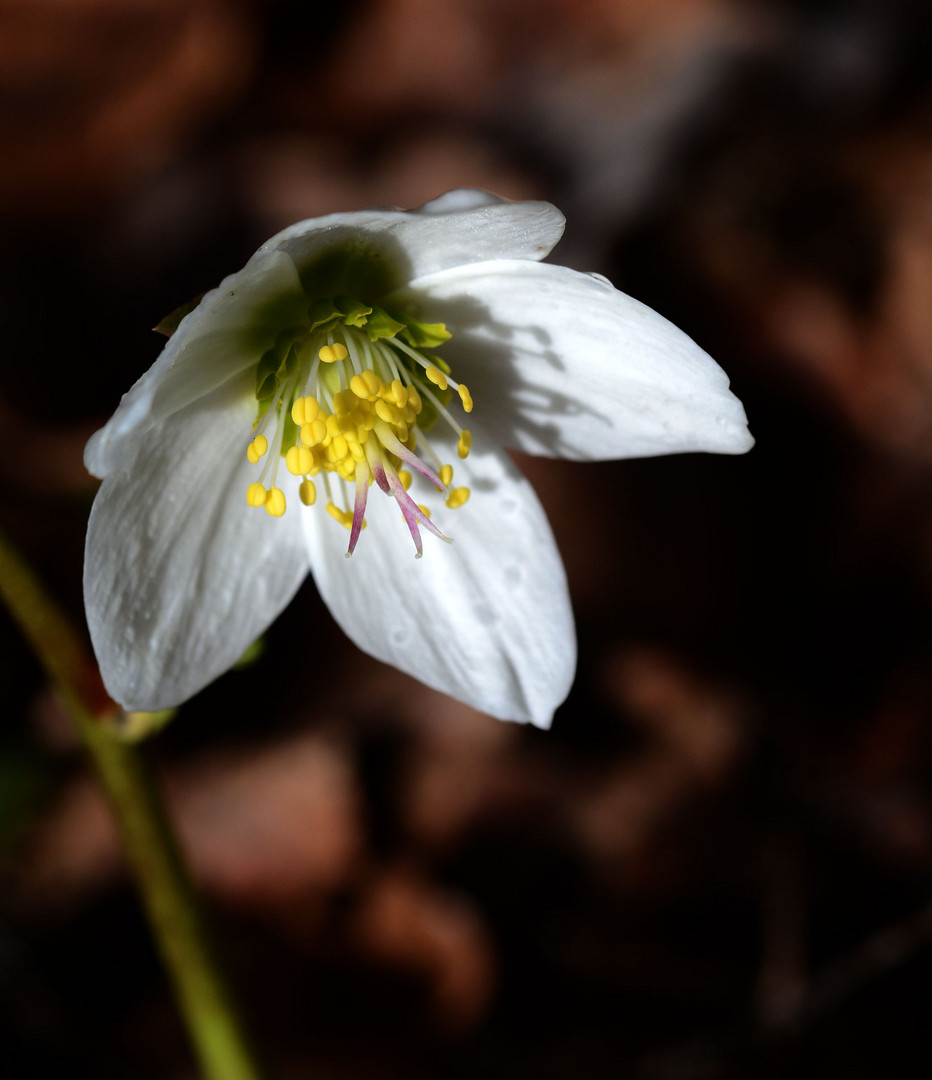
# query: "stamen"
413,353
330,354
352,343
344,517
465,444
386,411
314,433
257,448
271,412
436,376
299,460
399,393
367,386
275,502
397,372
425,446
311,379
441,409
305,410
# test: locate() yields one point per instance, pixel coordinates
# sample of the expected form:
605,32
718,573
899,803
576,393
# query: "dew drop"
602,280
486,615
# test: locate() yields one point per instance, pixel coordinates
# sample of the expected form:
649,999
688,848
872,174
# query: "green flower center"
349,398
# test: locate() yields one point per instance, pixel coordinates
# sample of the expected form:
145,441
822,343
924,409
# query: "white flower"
331,360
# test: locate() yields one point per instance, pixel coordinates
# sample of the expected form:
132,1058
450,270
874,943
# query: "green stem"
151,849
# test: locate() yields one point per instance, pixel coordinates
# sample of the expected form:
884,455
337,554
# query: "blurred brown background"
717,864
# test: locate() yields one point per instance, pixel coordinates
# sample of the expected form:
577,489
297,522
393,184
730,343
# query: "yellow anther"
346,428
358,386
423,510
299,460
465,397
367,386
399,393
275,502
436,376
330,354
257,448
346,403
344,517
357,451
446,474
465,444
255,495
414,400
308,492
457,498
314,432
305,410
405,477
386,411
340,447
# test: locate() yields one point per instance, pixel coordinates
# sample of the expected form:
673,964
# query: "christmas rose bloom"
348,352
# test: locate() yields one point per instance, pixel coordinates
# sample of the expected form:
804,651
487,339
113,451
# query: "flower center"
349,398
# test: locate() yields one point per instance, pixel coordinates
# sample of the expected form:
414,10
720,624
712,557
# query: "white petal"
562,364
225,334
379,250
485,619
180,575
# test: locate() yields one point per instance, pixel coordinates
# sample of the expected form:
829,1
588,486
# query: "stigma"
347,401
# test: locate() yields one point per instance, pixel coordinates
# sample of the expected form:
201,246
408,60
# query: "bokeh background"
717,864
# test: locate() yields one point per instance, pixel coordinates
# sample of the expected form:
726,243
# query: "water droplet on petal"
602,280
486,615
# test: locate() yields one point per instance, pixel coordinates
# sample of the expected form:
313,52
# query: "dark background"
717,864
